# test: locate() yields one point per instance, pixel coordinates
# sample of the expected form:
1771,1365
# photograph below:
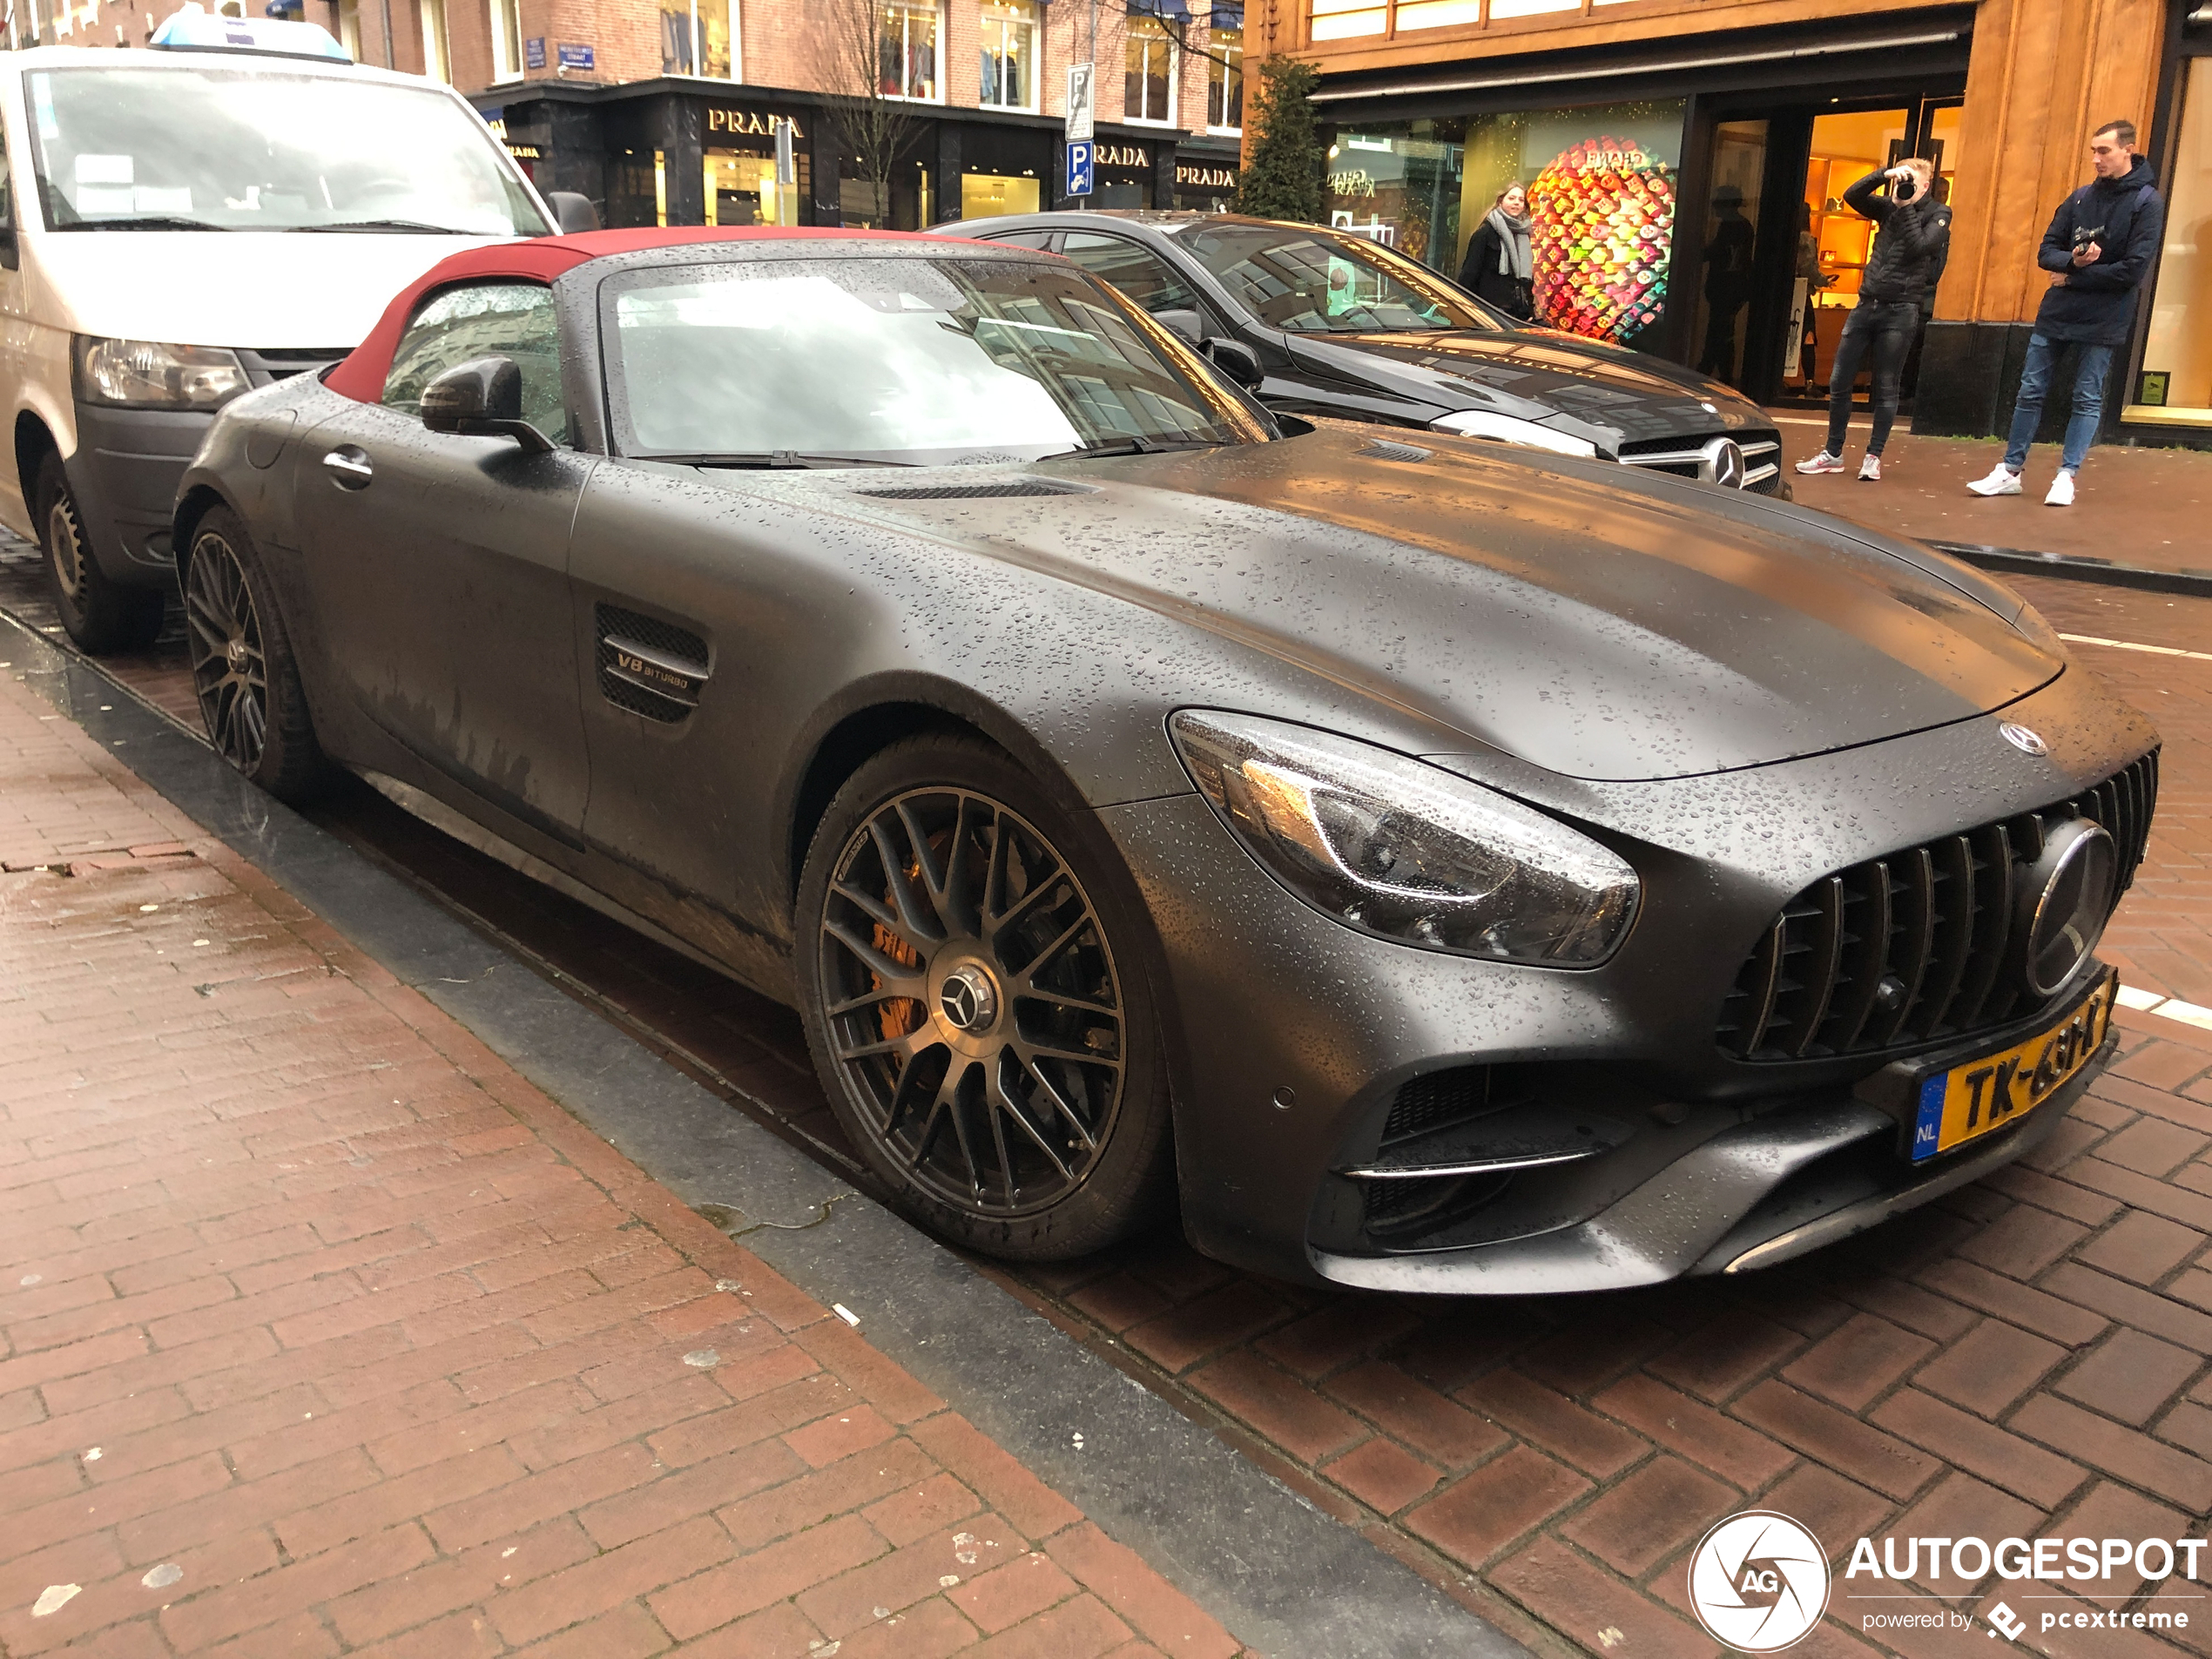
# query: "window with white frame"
700,38
1225,76
1149,94
1009,29
507,40
437,56
908,47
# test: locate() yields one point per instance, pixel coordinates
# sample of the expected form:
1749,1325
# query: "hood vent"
977,492
1384,449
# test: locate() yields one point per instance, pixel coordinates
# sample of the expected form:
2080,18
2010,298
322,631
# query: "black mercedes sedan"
1324,322
1440,865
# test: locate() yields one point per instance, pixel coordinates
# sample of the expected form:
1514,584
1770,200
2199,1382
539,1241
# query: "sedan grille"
1913,946
1684,457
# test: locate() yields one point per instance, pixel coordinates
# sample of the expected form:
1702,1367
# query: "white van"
182,223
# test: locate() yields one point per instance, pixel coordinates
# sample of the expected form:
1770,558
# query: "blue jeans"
2089,400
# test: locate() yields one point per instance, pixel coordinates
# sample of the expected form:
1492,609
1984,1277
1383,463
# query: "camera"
1904,188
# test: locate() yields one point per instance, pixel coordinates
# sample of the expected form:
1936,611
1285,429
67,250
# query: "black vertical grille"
1913,946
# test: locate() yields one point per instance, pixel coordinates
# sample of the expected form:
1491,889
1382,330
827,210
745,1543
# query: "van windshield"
231,148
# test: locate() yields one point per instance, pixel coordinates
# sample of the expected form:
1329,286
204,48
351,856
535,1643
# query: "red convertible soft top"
361,374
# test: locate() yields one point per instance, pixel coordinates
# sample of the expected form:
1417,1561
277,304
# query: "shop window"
1149,94
1009,50
1225,79
906,50
349,28
1440,14
1601,183
741,188
1342,19
695,38
2176,384
506,40
437,56
1499,9
986,195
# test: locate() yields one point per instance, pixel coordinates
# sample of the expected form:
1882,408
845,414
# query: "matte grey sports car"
1447,866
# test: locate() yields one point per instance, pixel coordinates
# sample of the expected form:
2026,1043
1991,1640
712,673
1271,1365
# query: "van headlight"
1504,428
143,375
1406,851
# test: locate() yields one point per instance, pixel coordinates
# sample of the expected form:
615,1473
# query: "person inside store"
1728,281
1499,265
1910,244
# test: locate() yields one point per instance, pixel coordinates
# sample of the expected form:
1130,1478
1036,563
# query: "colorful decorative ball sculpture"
1604,213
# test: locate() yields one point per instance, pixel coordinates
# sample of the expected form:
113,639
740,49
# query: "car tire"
972,976
243,670
100,614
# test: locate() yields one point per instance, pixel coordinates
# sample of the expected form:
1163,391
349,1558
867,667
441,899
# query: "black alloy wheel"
98,613
969,1007
242,667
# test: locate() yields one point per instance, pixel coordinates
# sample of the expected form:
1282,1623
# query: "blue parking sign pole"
1079,160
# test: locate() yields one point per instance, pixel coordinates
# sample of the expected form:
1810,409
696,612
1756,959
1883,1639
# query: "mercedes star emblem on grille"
2024,738
1725,461
2070,891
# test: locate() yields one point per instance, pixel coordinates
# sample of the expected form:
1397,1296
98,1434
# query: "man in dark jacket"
2102,243
1909,251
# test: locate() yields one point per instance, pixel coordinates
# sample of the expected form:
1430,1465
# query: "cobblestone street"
2025,1358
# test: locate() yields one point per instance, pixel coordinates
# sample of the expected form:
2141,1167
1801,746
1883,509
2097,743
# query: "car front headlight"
1484,423
1406,851
145,374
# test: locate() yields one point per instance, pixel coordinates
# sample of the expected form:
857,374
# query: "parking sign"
1079,156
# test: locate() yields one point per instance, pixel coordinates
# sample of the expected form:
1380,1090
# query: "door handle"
348,466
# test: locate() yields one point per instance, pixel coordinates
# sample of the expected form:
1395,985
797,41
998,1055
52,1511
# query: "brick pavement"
322,1332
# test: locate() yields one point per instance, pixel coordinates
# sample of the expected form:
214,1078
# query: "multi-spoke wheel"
242,668
968,997
99,613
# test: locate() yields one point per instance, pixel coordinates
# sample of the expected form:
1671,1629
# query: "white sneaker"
2062,491
2002,481
1870,470
1822,462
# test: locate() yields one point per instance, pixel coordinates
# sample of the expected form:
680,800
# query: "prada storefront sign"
746,124
1122,155
1189,177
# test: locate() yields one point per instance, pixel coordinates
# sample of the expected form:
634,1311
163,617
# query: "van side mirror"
1236,361
483,398
571,212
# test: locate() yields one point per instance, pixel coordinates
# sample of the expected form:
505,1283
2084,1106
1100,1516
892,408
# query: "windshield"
226,147
1321,282
925,361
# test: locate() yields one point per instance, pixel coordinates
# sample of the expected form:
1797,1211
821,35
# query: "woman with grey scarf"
1498,265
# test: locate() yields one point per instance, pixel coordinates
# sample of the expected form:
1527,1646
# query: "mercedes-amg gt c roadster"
1436,866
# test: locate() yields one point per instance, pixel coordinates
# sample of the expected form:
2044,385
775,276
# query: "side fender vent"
648,666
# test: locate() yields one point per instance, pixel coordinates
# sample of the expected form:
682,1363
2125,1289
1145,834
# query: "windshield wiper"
143,222
1134,444
772,458
414,226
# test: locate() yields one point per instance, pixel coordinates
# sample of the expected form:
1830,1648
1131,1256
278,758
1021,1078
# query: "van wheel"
98,612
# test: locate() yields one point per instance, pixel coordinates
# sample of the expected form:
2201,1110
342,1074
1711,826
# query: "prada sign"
1123,155
747,124
1206,178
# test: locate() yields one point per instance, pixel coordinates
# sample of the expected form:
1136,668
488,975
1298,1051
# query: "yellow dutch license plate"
1989,1094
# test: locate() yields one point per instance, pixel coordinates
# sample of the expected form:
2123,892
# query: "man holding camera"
1907,257
2100,245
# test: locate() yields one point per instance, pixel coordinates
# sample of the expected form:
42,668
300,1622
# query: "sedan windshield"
924,362
235,149
1324,282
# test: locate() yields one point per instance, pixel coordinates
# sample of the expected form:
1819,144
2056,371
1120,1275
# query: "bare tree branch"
876,128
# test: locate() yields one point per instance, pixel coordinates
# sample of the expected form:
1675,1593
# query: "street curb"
1285,1578
2076,566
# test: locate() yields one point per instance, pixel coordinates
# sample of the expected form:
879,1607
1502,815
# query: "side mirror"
571,212
1182,321
481,398
1237,361
10,255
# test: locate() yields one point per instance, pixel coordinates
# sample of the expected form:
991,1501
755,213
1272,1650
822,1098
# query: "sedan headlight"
1406,851
1483,423
143,375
